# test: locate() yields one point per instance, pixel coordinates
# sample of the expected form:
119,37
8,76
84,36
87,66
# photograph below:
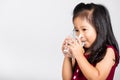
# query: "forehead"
81,22
83,17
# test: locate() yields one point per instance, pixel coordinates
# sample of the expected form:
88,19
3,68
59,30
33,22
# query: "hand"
75,47
65,44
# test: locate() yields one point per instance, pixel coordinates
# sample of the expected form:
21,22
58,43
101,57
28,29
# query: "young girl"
99,57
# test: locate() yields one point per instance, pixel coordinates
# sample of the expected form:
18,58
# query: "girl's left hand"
75,46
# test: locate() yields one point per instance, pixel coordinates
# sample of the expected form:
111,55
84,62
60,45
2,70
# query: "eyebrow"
75,27
79,27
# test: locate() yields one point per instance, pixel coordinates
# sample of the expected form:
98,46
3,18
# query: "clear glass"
72,35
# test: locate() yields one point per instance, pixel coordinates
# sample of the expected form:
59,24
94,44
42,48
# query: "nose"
81,33
81,36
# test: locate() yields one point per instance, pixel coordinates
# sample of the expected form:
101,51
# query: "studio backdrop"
32,32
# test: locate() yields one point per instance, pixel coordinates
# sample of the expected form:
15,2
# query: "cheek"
91,37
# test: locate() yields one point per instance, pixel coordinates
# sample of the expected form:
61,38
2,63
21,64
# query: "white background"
31,34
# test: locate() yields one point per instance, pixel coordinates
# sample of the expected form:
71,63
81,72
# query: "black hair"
98,16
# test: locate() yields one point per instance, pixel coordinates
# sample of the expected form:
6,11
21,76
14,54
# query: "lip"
83,44
83,41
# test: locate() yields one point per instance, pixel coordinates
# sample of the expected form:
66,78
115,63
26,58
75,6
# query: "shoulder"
109,57
105,65
113,52
110,53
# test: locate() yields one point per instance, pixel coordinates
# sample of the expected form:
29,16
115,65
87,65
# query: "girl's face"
83,27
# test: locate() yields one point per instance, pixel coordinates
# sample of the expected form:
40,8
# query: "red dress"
78,75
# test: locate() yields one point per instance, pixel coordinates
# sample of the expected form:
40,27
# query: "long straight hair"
98,16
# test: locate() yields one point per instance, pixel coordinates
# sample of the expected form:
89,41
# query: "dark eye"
84,29
76,30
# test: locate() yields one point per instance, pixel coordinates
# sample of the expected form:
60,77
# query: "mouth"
83,43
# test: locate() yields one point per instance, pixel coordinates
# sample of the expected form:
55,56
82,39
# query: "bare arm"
68,64
67,69
101,70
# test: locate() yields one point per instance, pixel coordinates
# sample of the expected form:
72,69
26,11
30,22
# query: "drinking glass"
72,35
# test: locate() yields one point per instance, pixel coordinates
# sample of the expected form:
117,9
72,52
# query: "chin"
86,46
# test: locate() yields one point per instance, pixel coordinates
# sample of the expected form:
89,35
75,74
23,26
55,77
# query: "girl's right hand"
65,46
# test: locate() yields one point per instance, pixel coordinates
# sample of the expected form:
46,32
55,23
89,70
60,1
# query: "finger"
64,47
65,41
78,40
70,44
